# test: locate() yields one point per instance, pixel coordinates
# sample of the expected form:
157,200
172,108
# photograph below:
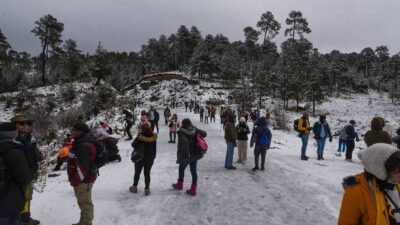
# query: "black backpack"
5,178
296,125
101,158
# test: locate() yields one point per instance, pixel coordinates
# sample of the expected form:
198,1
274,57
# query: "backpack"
263,139
296,125
101,158
201,143
137,154
5,178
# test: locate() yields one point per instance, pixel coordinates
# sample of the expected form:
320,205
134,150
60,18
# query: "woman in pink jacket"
173,127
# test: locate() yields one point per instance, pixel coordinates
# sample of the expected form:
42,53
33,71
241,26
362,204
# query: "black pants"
201,117
350,148
138,170
128,128
260,150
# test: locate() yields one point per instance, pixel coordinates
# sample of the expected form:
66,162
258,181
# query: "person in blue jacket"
351,136
261,138
321,131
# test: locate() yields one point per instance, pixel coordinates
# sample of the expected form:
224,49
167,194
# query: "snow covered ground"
289,191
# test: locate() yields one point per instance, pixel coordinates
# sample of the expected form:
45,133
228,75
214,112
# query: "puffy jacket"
147,143
100,133
186,144
11,204
230,132
317,130
351,133
83,156
259,131
175,125
377,134
362,201
242,131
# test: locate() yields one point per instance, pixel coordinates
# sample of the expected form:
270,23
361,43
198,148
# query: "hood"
375,157
6,145
261,122
191,131
148,138
377,123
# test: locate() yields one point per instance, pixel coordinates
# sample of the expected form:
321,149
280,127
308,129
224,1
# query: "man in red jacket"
82,158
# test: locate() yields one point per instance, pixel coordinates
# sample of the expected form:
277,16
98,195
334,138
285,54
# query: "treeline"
255,66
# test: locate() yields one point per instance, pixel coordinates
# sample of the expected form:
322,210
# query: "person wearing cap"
32,155
242,131
377,134
20,175
372,197
321,131
304,130
351,136
82,158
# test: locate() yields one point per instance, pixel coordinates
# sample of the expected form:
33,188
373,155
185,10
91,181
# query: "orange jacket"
361,203
64,152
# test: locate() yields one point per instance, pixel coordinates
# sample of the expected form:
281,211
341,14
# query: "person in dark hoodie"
187,154
261,137
321,131
230,138
33,156
129,119
351,136
377,134
79,169
145,146
15,167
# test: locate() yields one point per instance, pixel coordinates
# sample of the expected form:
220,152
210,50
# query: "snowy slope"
290,191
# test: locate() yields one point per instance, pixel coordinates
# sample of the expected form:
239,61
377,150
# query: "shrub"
281,119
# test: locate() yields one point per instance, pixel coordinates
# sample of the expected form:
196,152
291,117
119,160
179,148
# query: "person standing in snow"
377,134
261,137
186,106
173,127
143,120
351,136
372,197
304,128
129,123
242,131
207,115
230,138
187,154
15,167
82,159
321,131
167,115
201,114
146,144
342,141
33,157
213,111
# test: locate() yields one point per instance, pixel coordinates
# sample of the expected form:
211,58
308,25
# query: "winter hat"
81,127
19,118
8,130
352,122
375,157
242,119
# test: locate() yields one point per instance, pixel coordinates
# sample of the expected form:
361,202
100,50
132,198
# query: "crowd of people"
83,149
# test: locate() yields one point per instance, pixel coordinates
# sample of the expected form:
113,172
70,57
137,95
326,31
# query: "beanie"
375,157
8,130
242,119
81,127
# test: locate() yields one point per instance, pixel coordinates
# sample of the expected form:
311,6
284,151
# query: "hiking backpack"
101,158
296,125
5,178
263,139
201,143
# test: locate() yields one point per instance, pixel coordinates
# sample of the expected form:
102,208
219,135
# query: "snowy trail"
290,191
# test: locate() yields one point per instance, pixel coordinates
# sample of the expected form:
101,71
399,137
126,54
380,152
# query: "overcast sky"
124,25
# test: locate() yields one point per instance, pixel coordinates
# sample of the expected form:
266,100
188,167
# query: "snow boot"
133,189
31,222
146,191
178,185
255,168
192,190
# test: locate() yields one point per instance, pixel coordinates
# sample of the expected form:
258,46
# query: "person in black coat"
129,119
12,197
187,154
145,148
351,136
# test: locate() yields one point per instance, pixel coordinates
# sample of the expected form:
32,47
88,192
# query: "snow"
289,191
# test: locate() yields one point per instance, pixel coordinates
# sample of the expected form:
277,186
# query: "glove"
330,139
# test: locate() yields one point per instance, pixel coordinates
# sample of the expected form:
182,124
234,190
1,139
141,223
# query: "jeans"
229,154
350,147
304,140
193,171
10,220
128,128
172,134
342,145
321,146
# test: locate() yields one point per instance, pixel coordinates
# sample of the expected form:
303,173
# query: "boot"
146,191
133,189
192,190
319,157
304,158
31,222
322,157
178,185
119,158
255,168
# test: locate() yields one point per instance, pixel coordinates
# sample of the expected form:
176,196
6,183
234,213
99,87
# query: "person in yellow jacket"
372,197
304,132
